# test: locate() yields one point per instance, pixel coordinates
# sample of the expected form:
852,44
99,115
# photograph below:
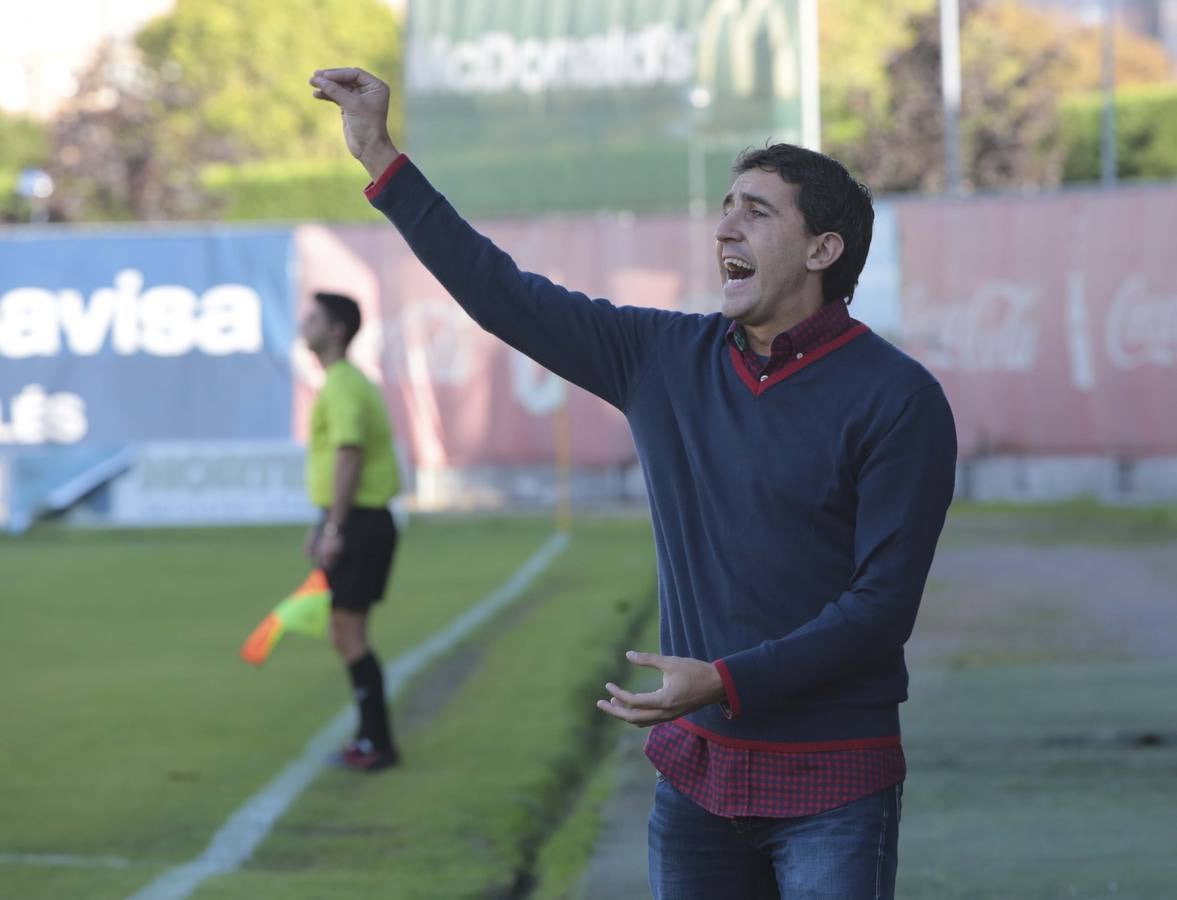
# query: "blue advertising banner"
116,338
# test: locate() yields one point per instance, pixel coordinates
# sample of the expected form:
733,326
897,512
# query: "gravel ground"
1042,729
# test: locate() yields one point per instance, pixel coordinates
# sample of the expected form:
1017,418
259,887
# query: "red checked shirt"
732,781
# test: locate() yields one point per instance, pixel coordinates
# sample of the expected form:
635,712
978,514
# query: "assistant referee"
352,475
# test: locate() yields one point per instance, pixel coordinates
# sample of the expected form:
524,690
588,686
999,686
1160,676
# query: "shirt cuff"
372,191
730,706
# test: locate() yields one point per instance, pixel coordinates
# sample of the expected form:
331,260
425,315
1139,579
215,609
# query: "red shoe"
362,756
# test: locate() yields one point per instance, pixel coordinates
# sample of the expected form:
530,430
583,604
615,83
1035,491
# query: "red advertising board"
1050,320
460,397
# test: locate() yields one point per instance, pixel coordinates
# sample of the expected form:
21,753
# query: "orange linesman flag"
305,611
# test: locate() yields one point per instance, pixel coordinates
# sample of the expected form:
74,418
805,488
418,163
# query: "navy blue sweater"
794,521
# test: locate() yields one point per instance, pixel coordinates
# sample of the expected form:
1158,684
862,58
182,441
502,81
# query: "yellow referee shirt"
349,412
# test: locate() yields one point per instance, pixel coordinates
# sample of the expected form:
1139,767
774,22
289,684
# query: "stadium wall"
1051,321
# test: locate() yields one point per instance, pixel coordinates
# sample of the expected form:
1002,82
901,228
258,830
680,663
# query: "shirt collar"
824,325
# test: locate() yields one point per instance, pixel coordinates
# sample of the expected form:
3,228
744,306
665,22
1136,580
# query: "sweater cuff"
730,706
372,191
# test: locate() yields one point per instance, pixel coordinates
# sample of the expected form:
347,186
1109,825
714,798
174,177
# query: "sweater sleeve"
905,485
591,343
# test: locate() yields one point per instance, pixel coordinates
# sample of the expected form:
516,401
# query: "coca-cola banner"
1050,320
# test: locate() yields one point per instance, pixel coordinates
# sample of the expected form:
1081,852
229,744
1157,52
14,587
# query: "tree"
210,82
1013,62
1019,64
858,38
1139,60
246,65
123,148
1016,62
898,144
24,142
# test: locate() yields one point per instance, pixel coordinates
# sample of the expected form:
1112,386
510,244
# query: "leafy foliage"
323,190
885,115
208,113
23,142
123,148
210,82
1146,133
246,64
645,176
858,38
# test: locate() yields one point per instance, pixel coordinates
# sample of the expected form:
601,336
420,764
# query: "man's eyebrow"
759,201
750,198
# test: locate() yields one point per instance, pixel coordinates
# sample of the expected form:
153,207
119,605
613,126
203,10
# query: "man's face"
761,245
316,328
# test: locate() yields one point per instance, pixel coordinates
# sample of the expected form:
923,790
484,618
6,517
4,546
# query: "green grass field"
132,730
1041,734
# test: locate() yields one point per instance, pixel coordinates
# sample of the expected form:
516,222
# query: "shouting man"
799,469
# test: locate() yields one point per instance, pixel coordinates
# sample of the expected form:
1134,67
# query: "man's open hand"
687,685
362,99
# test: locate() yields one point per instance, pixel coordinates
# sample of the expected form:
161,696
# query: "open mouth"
738,269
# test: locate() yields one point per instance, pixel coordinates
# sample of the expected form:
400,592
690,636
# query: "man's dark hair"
341,310
829,200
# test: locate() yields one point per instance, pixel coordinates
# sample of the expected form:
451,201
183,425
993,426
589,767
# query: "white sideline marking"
237,838
64,860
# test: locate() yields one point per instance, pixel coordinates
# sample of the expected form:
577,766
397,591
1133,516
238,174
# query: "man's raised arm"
362,99
591,343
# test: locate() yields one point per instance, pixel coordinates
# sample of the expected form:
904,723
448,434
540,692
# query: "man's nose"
726,229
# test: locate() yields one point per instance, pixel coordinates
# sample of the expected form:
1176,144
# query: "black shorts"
359,576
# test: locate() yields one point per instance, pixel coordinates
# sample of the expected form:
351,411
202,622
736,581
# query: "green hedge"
7,186
642,178
23,142
12,207
649,178
646,178
1146,133
329,191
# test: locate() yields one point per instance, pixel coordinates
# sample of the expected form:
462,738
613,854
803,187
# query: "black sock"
367,679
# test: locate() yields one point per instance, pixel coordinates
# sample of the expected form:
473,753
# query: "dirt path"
1025,603
1042,676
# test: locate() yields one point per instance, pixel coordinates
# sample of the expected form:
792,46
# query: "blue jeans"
848,853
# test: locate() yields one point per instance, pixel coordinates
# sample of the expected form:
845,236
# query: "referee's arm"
349,459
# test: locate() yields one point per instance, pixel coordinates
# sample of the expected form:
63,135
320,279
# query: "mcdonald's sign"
561,105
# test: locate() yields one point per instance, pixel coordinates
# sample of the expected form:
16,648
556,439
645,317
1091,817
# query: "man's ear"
827,248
